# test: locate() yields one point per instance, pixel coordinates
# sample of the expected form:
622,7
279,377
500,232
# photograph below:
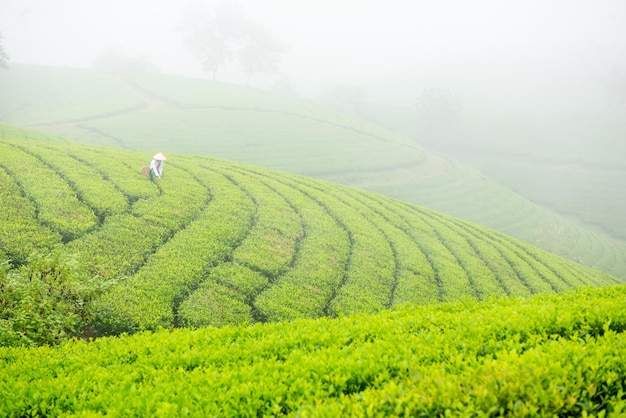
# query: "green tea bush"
215,242
146,299
20,233
97,193
114,167
224,297
305,290
548,355
271,245
119,247
369,281
216,305
58,205
46,301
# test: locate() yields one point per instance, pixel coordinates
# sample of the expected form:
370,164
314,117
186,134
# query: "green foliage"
119,168
20,233
549,355
185,115
215,242
46,301
119,247
180,200
305,290
270,246
57,203
215,305
146,300
369,281
103,197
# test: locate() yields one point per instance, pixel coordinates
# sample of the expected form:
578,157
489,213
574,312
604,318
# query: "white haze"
488,50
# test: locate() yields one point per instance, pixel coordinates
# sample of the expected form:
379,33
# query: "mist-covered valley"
530,95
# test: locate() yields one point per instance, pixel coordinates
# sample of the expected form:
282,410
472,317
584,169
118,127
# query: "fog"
490,52
532,93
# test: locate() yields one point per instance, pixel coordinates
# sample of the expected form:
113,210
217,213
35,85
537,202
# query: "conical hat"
160,156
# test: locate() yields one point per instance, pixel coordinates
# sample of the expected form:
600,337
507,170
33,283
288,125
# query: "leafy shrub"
214,305
44,302
545,356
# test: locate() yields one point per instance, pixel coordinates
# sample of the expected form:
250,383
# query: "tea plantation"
253,292
215,242
548,355
175,114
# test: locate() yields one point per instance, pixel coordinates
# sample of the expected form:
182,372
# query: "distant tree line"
226,36
4,57
438,107
116,61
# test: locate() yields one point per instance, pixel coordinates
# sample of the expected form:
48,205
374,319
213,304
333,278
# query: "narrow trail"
150,103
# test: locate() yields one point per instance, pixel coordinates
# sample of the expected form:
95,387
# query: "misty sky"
453,43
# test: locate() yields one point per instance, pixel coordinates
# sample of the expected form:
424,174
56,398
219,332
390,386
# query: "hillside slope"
181,115
567,159
215,242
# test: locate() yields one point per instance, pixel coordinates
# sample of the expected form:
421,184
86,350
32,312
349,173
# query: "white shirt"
157,167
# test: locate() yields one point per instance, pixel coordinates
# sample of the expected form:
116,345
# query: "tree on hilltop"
260,52
215,39
438,109
4,57
439,106
116,61
438,114
226,36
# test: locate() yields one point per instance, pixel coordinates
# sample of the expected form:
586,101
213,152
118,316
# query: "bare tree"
4,57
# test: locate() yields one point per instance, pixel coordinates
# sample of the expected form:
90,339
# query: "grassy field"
180,115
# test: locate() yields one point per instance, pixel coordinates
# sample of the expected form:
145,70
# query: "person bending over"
156,166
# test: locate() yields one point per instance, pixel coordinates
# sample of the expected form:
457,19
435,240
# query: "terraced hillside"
216,242
580,151
181,115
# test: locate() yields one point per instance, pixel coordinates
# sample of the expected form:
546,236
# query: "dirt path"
149,103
